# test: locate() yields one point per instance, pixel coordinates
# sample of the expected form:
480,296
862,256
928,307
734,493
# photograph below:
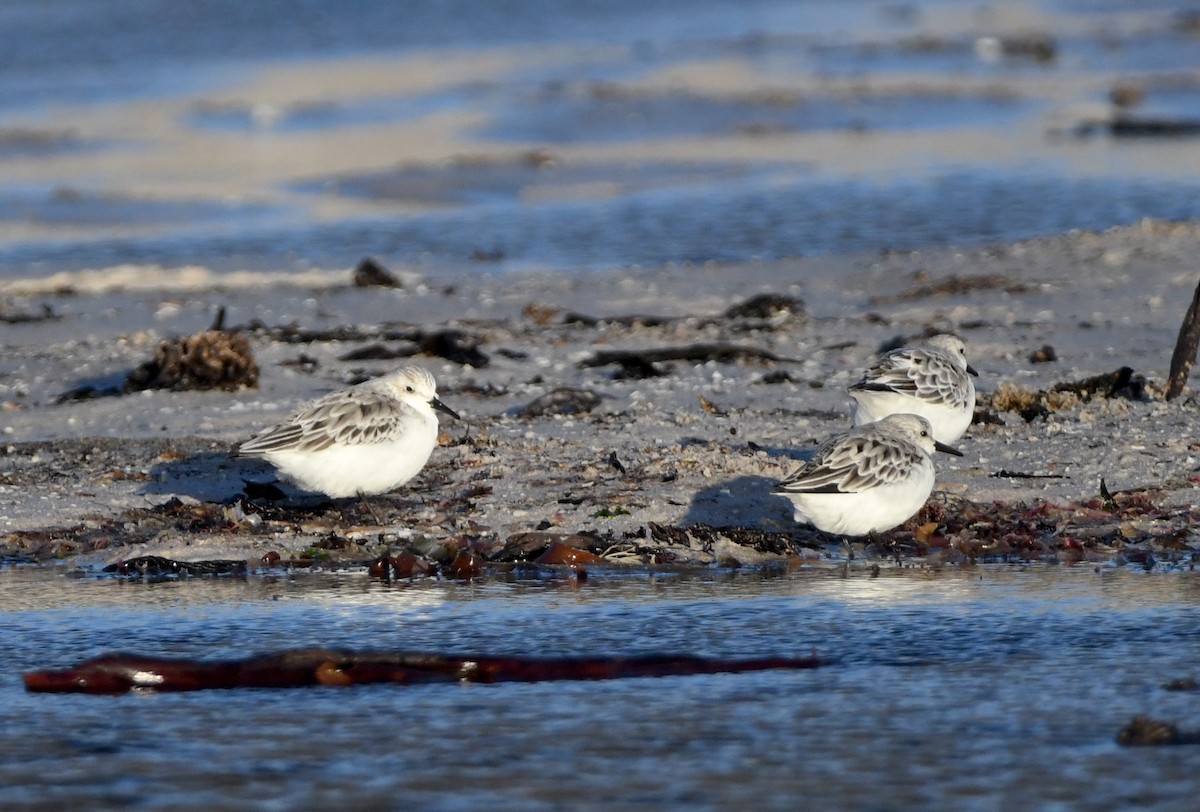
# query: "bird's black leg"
370,508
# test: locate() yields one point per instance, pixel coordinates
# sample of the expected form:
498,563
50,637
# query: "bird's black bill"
949,449
971,371
442,407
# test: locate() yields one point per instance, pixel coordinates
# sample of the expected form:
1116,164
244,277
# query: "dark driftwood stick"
692,352
1185,348
119,673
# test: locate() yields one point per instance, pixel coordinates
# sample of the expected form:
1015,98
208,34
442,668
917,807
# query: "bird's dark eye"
408,389
924,434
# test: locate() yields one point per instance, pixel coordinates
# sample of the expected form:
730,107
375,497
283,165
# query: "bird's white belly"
948,422
871,511
349,470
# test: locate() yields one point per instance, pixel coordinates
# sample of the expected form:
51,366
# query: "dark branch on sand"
701,353
1184,356
299,668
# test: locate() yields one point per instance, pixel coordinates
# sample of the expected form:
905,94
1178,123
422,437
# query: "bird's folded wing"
353,417
924,376
849,465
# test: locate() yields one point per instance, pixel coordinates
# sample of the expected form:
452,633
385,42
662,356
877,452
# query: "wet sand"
699,444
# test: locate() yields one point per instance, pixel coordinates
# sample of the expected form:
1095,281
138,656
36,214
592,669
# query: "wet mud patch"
607,112
534,176
21,142
71,207
924,287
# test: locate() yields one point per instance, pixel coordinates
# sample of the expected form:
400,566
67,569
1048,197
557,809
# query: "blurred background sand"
522,135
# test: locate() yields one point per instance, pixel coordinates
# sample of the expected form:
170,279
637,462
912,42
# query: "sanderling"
931,379
364,440
866,480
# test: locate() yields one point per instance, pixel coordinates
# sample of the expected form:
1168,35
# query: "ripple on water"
948,688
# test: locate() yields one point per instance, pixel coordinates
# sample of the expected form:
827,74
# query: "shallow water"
640,168
713,220
980,689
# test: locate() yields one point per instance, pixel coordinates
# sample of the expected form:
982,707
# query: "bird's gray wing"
916,372
351,417
851,463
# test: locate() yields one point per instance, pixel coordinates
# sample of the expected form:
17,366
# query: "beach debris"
1036,46
711,408
1031,404
1004,473
1107,502
558,554
615,462
11,315
303,363
766,306
312,667
213,359
564,400
610,512
1044,354
1182,684
1124,125
400,567
760,306
533,544
493,255
699,353
1118,383
1127,527
1186,21
629,320
294,334
370,273
986,417
465,566
952,285
704,538
635,368
1142,731
780,376
1127,93
1184,356
543,315
158,567
453,345
377,352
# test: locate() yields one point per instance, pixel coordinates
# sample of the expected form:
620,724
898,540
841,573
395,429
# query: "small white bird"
368,439
867,480
931,379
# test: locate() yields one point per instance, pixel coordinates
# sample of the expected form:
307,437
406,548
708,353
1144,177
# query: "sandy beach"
627,460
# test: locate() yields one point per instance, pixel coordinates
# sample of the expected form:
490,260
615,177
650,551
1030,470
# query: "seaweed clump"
213,359
1031,404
